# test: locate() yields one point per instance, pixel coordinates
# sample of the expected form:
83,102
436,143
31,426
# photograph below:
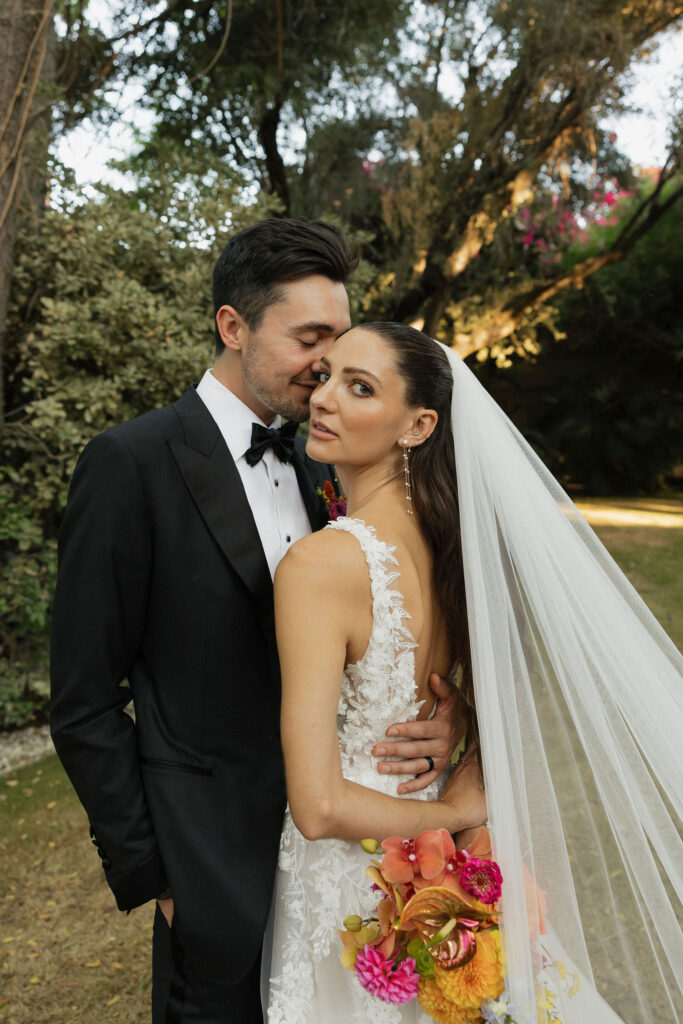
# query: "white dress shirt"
271,486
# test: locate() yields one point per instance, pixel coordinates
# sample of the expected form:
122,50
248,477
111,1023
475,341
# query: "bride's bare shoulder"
325,558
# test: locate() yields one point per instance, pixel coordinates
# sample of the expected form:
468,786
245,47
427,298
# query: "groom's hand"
166,908
435,737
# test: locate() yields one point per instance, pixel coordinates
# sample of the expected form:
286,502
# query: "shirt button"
288,539
277,483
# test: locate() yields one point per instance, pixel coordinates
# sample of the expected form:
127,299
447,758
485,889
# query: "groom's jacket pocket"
175,766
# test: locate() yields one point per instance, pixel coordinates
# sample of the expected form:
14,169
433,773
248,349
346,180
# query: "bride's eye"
361,388
323,376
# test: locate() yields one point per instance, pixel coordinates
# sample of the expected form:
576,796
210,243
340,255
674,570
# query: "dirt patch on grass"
66,953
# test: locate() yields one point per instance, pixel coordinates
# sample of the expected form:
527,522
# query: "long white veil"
579,704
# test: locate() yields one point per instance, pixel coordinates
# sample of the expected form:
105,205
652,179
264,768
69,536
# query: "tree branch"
40,39
274,163
217,55
502,323
40,31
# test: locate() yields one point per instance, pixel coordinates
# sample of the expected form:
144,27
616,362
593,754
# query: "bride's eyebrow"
351,369
364,373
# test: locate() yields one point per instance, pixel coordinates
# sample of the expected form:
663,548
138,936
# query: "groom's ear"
231,328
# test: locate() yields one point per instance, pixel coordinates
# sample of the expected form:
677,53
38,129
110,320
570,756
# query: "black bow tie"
281,441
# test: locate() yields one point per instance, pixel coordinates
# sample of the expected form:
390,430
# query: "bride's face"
358,412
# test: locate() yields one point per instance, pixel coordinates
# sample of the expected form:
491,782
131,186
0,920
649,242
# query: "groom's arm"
98,620
414,742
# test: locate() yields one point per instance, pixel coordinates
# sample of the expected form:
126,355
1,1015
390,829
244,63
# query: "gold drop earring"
406,474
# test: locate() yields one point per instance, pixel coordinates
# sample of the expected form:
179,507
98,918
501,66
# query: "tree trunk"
277,175
27,56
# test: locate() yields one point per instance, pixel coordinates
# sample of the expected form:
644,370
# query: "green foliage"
603,404
27,573
427,125
279,66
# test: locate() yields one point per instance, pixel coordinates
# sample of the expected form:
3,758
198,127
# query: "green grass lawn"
649,552
67,954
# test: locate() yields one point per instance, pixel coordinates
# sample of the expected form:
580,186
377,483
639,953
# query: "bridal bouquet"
434,935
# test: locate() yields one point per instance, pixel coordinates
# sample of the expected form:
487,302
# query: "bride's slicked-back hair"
426,372
258,260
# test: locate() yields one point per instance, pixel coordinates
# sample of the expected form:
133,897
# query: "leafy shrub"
27,573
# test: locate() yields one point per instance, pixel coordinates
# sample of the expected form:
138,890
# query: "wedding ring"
430,763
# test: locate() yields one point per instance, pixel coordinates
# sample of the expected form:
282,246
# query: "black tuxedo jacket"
163,582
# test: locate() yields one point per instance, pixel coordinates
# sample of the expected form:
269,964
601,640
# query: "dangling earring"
406,474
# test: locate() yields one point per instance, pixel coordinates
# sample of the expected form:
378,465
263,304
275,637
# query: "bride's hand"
465,790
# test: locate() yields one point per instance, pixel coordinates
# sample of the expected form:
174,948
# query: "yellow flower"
481,978
348,957
545,1003
437,1005
355,941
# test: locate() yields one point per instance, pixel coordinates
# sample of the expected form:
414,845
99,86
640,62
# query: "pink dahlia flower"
383,979
482,878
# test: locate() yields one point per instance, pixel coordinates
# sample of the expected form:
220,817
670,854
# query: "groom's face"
281,355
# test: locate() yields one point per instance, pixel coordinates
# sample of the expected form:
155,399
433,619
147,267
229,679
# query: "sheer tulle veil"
579,704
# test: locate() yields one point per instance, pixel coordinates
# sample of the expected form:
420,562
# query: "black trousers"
181,997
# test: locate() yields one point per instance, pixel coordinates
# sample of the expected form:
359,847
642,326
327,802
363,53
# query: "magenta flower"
336,509
384,979
482,878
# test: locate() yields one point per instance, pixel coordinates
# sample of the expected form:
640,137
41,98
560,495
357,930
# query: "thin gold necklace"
373,491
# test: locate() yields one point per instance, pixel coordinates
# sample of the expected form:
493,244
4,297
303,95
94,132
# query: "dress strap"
387,603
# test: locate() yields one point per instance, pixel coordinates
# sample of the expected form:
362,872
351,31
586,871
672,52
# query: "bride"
459,549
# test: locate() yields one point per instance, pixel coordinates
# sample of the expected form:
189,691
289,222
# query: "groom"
174,526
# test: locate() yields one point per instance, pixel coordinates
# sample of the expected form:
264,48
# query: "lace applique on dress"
319,883
379,689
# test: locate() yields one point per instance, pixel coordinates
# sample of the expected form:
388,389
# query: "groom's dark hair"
257,261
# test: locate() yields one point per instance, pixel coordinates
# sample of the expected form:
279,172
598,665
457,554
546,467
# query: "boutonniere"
334,503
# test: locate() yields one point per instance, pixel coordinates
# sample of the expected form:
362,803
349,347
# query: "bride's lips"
319,430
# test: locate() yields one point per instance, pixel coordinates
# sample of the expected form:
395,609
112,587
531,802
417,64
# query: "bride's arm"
319,587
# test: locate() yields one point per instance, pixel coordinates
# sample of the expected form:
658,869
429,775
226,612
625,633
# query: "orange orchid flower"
449,878
426,856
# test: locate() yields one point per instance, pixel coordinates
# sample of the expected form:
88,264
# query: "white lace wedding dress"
320,883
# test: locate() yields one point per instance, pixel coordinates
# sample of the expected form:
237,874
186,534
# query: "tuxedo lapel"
213,481
315,508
